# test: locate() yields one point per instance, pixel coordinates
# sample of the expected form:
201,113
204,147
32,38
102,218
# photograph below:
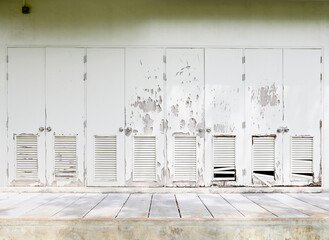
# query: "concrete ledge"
155,190
287,229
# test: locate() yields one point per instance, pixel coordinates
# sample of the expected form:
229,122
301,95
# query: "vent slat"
263,154
65,158
144,168
185,158
302,156
224,158
27,157
105,158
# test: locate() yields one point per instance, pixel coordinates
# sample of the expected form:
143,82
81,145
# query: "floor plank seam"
205,206
123,205
232,205
180,215
95,206
267,210
148,214
43,204
308,203
68,205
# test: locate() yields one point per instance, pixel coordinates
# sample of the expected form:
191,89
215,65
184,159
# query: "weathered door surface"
263,83
302,115
26,116
185,114
224,115
65,115
105,117
145,145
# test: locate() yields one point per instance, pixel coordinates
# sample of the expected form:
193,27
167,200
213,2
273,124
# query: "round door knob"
286,129
41,129
279,130
128,129
120,129
48,129
208,130
201,130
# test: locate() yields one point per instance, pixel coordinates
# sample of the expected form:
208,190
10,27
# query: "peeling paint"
148,124
182,124
191,124
174,110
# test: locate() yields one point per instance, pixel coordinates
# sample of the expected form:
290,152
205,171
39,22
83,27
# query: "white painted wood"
219,207
52,207
144,108
81,207
301,206
263,94
13,202
109,207
190,206
248,208
28,205
164,206
185,106
105,108
302,100
26,109
137,206
224,104
277,208
65,106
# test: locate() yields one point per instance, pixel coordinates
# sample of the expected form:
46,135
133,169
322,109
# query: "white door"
26,116
263,87
145,145
185,114
302,115
65,116
224,116
105,117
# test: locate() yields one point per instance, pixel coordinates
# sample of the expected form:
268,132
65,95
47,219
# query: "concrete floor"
164,216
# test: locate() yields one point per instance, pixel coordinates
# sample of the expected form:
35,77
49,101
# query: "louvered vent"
105,158
224,158
185,158
302,156
144,158
263,155
27,157
65,158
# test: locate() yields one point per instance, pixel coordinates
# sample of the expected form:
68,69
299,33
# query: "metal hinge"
164,59
85,77
243,59
321,76
7,77
320,123
165,76
243,77
7,59
321,59
85,59
243,124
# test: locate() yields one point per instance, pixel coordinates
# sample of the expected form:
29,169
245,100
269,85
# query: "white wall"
163,23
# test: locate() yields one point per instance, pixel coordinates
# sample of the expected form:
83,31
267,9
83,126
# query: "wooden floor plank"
29,204
109,207
312,199
137,206
299,205
274,206
219,207
51,208
164,206
81,207
190,206
247,207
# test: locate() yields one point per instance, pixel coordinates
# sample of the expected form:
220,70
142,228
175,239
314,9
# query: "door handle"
279,130
48,129
121,129
208,130
41,129
201,130
128,129
285,129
